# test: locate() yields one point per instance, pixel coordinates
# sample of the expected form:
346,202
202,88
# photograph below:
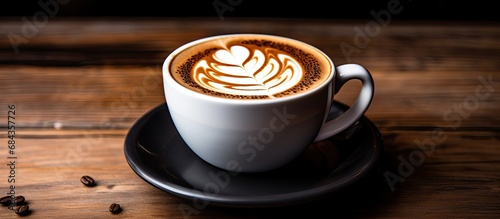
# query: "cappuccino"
250,67
254,102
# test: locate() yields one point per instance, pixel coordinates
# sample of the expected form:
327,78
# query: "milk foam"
248,70
250,67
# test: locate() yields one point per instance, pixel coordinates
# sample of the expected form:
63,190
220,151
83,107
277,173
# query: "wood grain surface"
78,85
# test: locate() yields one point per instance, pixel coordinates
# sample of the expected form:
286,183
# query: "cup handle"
345,73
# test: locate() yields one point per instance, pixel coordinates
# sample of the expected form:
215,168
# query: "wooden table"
78,85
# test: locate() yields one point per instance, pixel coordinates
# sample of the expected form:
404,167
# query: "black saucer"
156,153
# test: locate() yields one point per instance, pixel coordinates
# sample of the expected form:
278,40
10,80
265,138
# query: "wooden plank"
96,97
147,42
459,179
80,97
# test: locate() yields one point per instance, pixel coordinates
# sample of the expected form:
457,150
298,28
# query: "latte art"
250,67
248,70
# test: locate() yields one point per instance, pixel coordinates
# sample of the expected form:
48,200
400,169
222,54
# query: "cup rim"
170,81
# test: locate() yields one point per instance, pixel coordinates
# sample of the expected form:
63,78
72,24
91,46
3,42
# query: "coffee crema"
250,67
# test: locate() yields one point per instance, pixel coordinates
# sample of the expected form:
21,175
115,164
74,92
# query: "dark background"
478,10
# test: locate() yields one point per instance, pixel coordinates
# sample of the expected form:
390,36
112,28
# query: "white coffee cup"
256,135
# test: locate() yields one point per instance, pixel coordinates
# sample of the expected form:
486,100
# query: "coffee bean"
22,210
19,200
87,180
7,200
115,208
